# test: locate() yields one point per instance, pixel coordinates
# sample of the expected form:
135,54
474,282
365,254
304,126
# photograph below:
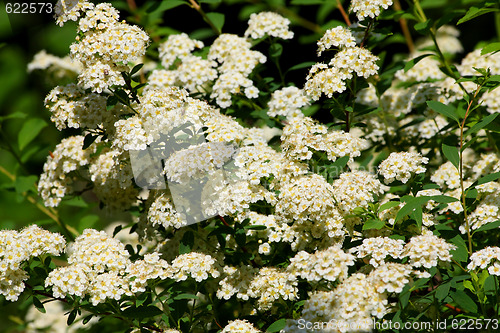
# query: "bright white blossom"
268,23
401,166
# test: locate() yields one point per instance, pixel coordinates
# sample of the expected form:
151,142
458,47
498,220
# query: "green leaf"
164,5
186,243
136,69
25,183
210,1
306,64
492,47
277,326
423,27
217,19
468,284
186,296
409,64
373,224
488,178
240,237
255,227
489,226
388,205
88,221
474,12
275,50
464,301
142,312
411,204
31,128
460,254
451,154
87,319
71,317
442,291
38,305
446,110
17,115
88,140
488,119
417,216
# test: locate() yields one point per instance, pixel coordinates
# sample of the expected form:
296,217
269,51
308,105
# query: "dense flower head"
271,284
177,46
287,102
447,174
18,247
196,265
368,8
338,37
401,166
55,182
487,211
356,189
487,257
310,200
57,65
102,16
390,277
162,212
98,251
239,326
427,250
330,79
69,10
331,264
378,249
268,23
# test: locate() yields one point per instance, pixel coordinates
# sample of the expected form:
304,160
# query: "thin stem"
198,8
462,126
300,20
343,12
69,231
404,28
456,263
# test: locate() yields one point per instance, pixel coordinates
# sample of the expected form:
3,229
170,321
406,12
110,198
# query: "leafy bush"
301,174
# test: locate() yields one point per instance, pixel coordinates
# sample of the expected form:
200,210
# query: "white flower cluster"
55,181
239,326
330,79
308,201
401,166
106,47
69,10
162,212
487,211
356,189
368,8
303,134
447,175
197,160
489,256
330,264
427,250
390,277
378,249
195,265
19,247
100,267
72,107
287,102
59,66
270,24
337,37
236,61
267,284
177,46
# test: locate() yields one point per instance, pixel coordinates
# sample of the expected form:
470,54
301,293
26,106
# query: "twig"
404,28
343,12
198,8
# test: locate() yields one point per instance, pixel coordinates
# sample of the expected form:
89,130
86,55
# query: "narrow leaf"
464,301
373,224
474,12
29,131
492,47
409,65
217,19
445,110
186,296
488,119
277,326
451,154
489,226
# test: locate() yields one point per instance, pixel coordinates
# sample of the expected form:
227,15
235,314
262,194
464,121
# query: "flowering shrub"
367,191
